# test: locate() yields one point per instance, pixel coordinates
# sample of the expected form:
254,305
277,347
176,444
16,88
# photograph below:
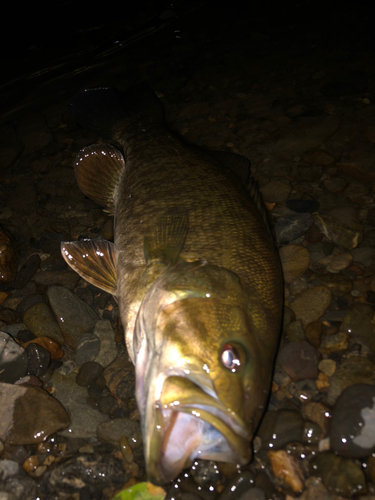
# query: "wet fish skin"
196,275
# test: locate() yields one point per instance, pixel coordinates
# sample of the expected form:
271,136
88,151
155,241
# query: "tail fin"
105,110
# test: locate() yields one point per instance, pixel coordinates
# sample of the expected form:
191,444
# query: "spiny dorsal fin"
94,261
166,241
98,169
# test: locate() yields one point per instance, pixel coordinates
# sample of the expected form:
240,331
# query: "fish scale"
196,275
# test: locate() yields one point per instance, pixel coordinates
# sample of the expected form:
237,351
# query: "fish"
196,274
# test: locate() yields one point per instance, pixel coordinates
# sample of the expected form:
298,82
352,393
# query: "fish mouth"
190,422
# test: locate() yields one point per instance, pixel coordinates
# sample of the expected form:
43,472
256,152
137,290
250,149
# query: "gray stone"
87,349
108,350
13,359
73,315
40,321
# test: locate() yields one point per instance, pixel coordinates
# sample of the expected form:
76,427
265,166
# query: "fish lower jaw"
186,437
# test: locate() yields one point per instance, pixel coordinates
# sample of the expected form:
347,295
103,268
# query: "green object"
141,491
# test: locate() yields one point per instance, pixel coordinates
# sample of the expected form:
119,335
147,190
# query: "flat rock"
311,304
29,414
336,232
74,316
40,321
299,360
112,430
295,260
108,350
13,359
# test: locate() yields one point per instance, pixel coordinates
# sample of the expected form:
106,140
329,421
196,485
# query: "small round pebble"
89,372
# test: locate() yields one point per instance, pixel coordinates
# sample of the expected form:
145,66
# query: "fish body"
196,275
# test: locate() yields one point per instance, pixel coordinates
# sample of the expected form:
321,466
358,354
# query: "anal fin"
94,261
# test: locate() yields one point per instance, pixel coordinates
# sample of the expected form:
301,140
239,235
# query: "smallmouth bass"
196,275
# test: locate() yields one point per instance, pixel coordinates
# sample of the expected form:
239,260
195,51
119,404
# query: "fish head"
201,387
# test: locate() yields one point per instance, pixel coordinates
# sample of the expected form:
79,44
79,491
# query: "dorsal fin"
94,261
98,169
165,243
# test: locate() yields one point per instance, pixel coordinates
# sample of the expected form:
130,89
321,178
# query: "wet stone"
294,331
29,301
299,360
275,192
339,475
27,271
327,366
8,258
358,323
74,316
291,227
312,433
313,332
340,261
67,279
29,414
54,262
15,484
311,304
336,232
338,284
13,359
38,359
90,472
108,350
353,422
88,372
348,217
112,430
88,348
354,370
369,239
84,418
317,412
40,321
334,343
305,390
287,468
364,255
205,473
49,345
279,428
335,184
315,490
295,260
238,485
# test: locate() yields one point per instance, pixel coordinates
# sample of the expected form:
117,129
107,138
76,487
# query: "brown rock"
295,260
287,468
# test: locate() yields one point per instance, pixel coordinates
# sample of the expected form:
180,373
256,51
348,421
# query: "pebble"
20,423
52,347
291,227
38,359
313,332
335,184
279,428
336,232
88,348
327,366
363,255
126,449
111,432
108,350
334,343
73,315
299,360
205,473
294,331
8,258
339,475
353,422
40,321
88,472
88,372
84,418
287,468
29,301
311,304
358,323
67,279
27,271
315,490
15,484
340,261
237,485
295,261
354,370
13,359
348,217
275,192
338,284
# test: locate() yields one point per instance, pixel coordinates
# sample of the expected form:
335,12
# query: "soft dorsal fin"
98,169
94,261
165,243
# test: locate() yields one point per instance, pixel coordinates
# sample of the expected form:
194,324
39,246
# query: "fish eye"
232,357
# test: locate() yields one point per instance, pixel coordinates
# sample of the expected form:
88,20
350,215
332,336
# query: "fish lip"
229,425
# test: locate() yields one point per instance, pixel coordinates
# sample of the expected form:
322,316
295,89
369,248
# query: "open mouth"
187,423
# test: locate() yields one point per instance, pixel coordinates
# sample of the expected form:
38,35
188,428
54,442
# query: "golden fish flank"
196,275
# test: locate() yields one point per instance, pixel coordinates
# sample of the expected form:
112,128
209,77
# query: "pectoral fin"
166,241
93,260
